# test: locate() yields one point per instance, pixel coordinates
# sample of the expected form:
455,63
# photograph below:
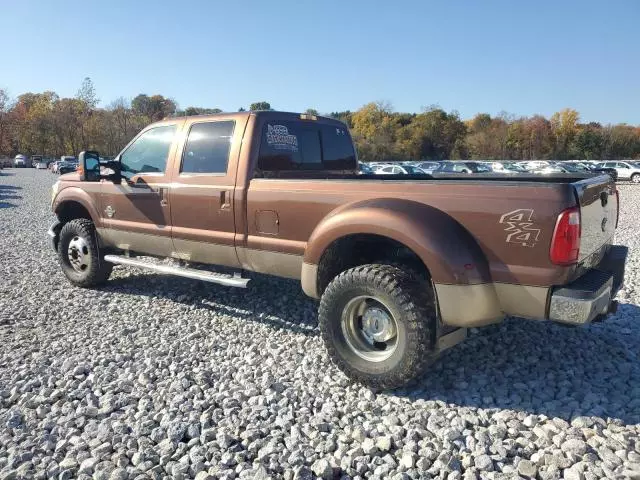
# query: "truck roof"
257,113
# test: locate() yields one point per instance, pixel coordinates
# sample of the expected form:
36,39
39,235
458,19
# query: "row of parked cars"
66,164
620,170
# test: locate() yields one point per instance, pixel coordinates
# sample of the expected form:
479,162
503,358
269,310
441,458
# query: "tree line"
47,124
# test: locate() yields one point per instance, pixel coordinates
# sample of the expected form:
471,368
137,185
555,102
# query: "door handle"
225,199
163,196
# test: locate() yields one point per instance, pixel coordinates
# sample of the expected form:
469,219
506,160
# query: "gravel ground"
159,377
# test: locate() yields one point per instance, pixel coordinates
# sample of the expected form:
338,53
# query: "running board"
219,278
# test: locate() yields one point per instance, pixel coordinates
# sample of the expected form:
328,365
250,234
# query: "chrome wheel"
635,178
369,329
78,253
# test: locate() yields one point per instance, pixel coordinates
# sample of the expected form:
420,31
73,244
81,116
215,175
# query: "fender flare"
447,249
75,194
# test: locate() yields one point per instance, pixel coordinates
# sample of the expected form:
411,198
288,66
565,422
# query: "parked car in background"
364,169
42,165
67,166
508,168
428,167
400,170
462,167
551,168
625,170
20,161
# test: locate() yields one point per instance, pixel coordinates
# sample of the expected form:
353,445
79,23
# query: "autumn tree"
432,134
5,122
374,127
154,108
487,137
564,125
44,123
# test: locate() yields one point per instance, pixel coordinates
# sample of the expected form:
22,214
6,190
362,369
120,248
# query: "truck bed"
477,177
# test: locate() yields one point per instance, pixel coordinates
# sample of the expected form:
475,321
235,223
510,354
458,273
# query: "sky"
524,57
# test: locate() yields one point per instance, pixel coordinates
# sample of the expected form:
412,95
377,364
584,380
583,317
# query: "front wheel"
80,256
635,178
378,324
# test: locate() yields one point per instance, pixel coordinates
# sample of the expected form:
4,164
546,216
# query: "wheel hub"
369,329
78,254
377,325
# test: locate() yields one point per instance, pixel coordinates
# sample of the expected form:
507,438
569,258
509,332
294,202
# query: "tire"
391,296
85,268
635,178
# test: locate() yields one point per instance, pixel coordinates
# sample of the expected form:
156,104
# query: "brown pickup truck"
402,265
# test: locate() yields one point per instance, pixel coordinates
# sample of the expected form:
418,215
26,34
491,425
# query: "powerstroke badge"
520,227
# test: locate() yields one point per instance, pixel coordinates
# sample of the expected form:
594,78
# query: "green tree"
589,142
201,111
311,111
260,106
87,93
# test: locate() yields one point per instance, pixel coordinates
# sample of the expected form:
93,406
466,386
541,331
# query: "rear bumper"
590,297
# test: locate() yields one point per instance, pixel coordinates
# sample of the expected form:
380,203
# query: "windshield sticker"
279,138
520,227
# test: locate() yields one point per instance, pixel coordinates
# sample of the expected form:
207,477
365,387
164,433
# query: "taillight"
565,244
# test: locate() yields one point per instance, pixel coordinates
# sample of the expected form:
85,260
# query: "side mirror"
89,166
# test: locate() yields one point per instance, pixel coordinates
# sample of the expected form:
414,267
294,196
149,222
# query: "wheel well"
71,210
361,249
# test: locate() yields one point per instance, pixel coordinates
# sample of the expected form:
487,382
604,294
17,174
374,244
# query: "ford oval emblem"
604,224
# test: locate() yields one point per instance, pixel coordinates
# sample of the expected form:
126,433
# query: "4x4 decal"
520,227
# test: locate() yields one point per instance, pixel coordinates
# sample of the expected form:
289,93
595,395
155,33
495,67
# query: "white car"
626,170
20,161
41,166
400,170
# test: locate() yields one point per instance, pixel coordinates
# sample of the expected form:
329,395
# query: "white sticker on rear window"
279,138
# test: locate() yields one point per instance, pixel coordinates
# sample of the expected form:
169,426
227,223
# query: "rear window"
306,146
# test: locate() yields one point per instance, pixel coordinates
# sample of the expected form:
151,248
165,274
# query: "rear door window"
307,146
207,147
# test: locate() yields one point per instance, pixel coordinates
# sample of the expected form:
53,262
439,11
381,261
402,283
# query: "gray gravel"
158,377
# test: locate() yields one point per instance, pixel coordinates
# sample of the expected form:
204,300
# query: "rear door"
137,212
203,189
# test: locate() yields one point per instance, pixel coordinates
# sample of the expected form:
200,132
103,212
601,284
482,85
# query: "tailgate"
598,202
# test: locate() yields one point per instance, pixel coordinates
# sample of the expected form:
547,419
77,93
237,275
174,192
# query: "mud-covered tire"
82,232
409,300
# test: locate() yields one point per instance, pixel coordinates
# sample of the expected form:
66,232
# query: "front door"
138,210
202,192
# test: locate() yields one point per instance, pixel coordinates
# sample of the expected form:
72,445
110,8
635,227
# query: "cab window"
296,145
149,152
